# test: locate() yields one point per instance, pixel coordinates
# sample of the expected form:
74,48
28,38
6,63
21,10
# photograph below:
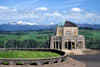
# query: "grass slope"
27,54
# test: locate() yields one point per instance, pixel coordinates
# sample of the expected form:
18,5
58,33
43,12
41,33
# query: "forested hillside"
40,39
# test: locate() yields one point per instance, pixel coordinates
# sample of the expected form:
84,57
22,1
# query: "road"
89,60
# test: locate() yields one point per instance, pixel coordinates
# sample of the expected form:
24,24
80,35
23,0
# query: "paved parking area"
89,60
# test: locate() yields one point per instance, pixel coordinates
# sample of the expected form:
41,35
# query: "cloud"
12,14
76,9
31,17
25,23
42,8
53,14
83,16
57,14
52,23
31,23
19,22
76,15
3,7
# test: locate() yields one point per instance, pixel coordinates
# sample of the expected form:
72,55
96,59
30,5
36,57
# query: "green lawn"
27,54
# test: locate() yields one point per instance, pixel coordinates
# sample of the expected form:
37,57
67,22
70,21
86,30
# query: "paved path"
74,52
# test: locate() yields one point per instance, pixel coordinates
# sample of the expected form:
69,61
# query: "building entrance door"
69,46
73,45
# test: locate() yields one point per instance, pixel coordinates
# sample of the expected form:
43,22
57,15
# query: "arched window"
68,32
79,44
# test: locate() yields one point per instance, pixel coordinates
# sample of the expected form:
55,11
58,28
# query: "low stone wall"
31,61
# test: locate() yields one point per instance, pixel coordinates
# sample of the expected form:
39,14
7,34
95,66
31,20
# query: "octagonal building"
67,37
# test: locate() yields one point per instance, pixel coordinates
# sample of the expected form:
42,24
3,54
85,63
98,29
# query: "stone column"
83,44
55,44
67,44
58,45
75,45
71,45
52,43
63,44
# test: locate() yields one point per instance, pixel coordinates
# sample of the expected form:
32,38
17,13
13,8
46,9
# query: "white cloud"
76,14
53,14
57,14
31,23
26,23
76,9
52,23
13,14
42,8
6,8
3,7
14,9
19,22
90,14
83,17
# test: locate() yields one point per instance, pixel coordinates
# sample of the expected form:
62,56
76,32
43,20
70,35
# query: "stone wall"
31,61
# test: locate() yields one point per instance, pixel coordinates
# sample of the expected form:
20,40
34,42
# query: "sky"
40,12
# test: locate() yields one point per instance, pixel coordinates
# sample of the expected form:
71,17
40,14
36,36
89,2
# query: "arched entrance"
73,45
69,45
57,45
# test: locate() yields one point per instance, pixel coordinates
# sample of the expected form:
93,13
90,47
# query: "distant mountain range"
10,27
90,26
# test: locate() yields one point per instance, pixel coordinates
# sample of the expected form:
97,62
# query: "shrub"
55,61
33,64
62,60
5,63
46,62
19,63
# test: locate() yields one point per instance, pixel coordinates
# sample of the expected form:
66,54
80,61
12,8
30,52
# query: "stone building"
67,37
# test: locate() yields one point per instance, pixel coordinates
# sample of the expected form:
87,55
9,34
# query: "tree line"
23,44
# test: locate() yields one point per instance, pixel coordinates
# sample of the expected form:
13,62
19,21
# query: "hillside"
41,38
